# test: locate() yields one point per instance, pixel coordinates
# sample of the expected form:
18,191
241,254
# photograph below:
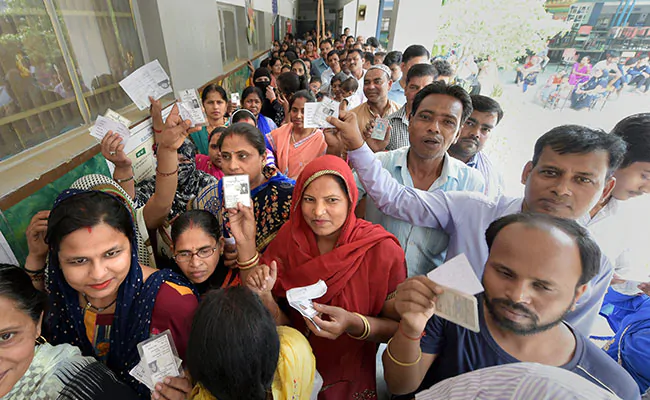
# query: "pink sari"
291,158
204,164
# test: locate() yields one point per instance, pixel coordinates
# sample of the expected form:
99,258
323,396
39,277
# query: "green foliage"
504,29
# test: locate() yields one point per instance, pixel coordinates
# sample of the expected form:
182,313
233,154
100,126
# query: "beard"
465,148
534,327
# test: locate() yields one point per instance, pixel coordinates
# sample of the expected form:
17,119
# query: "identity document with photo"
316,113
236,189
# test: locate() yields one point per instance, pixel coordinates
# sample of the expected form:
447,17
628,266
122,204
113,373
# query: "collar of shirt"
450,168
399,115
473,162
397,87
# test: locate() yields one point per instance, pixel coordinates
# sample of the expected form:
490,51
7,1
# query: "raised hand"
242,223
375,144
113,150
348,128
270,93
415,302
36,235
262,280
175,131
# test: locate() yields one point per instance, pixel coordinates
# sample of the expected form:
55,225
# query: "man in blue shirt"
537,269
427,167
414,54
571,171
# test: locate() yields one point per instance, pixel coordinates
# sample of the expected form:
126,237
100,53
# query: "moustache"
472,140
520,308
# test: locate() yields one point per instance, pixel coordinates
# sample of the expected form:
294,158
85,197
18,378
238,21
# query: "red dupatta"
295,247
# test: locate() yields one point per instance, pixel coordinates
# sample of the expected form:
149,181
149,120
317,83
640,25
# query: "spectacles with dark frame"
186,256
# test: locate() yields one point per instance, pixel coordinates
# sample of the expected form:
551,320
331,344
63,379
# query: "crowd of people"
115,261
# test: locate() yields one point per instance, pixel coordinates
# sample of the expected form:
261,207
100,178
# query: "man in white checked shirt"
537,269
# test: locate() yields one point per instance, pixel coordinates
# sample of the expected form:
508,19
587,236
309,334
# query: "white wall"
286,8
349,17
410,25
368,27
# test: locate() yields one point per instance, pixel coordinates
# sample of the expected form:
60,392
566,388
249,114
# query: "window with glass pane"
260,27
229,35
104,46
37,101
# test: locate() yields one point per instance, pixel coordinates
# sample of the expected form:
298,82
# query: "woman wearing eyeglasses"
197,246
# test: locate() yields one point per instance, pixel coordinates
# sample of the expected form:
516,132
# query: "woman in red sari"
360,262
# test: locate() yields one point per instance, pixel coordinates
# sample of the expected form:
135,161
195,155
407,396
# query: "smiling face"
474,134
566,185
333,62
376,86
325,206
197,242
215,106
355,62
632,181
531,278
18,333
241,158
298,112
95,261
435,125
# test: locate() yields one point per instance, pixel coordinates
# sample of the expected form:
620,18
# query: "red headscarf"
296,248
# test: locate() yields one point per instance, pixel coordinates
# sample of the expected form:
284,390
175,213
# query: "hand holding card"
236,189
158,360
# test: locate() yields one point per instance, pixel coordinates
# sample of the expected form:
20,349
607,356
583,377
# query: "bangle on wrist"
415,339
252,261
401,364
35,272
366,328
130,178
156,130
253,265
166,173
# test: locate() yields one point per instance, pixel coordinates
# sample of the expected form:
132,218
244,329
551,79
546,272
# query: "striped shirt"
399,129
517,381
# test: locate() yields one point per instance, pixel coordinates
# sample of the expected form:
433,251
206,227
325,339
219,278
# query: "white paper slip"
234,98
459,308
458,274
148,80
190,108
380,129
310,292
103,125
140,373
306,309
316,113
159,359
236,189
110,114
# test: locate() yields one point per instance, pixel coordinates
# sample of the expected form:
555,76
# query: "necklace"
98,309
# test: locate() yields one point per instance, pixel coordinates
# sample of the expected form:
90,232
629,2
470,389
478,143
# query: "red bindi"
90,229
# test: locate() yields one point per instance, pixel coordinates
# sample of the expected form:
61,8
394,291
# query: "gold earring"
41,340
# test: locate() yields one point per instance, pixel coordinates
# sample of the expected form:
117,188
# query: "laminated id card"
236,189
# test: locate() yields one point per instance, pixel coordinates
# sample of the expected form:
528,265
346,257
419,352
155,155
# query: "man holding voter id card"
538,267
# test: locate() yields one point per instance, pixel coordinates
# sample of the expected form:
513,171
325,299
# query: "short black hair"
238,333
326,41
315,79
289,83
450,90
487,105
247,131
333,52
355,51
340,77
415,50
17,286
372,42
290,55
202,219
590,254
392,58
635,131
421,70
577,139
370,57
444,67
213,87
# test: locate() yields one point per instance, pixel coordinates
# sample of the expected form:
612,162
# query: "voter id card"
236,189
380,129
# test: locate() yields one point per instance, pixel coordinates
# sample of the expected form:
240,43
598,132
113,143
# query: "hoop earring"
41,340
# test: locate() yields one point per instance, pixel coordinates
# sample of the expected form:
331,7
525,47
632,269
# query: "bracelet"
166,173
156,130
253,260
253,265
124,180
391,295
401,364
366,328
415,339
37,272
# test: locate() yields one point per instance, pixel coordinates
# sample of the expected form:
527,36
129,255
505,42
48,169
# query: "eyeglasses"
186,256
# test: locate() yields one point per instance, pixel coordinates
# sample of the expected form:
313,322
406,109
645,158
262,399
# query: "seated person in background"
251,358
537,269
552,85
419,76
215,104
212,162
361,264
611,70
294,145
41,370
376,85
527,73
100,298
243,153
445,70
430,168
523,380
587,93
571,170
198,246
474,134
581,72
